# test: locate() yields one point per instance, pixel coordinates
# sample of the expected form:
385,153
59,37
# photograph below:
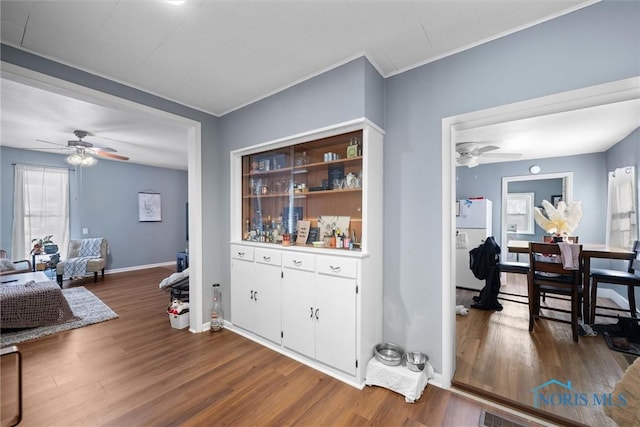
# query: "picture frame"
149,207
555,198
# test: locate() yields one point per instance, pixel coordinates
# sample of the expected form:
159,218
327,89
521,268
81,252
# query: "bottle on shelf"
217,318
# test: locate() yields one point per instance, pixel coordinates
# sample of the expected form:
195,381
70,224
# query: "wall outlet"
85,231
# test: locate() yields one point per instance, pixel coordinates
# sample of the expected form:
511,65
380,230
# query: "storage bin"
179,321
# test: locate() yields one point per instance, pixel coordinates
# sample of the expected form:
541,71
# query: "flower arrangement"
561,220
40,243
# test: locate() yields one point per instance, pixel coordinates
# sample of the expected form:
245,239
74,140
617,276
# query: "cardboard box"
179,321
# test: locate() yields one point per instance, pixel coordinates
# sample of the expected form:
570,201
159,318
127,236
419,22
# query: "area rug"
87,308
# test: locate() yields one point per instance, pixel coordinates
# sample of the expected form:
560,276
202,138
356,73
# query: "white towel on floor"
570,254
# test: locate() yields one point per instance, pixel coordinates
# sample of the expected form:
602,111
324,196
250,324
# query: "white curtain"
622,222
40,208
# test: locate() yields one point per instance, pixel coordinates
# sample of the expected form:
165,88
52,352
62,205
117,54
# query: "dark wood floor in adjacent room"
497,356
138,371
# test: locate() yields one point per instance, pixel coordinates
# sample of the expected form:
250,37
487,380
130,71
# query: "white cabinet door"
242,303
298,321
267,296
336,322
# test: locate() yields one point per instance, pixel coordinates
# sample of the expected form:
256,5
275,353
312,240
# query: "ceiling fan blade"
49,142
45,149
111,155
104,149
486,149
503,155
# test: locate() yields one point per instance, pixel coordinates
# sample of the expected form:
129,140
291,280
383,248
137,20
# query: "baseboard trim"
140,267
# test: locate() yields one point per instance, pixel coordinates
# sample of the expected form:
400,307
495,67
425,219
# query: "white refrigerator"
473,226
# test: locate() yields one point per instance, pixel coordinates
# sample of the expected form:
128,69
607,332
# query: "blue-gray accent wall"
594,45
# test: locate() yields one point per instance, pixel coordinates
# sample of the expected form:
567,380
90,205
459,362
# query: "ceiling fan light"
81,160
469,161
89,161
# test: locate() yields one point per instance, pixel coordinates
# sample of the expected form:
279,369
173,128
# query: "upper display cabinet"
314,190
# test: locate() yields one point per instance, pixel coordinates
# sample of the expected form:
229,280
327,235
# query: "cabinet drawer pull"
266,258
317,311
335,269
311,317
251,295
255,296
241,254
297,263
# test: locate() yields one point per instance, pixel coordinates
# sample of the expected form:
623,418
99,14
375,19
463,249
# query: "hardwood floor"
498,356
138,371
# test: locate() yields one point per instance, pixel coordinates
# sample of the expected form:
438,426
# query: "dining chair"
548,274
629,278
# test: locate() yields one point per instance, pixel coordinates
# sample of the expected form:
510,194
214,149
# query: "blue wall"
106,202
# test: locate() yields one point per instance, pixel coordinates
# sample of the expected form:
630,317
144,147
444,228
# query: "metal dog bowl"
388,353
415,360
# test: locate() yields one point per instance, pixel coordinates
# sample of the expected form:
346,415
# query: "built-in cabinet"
256,304
319,304
319,308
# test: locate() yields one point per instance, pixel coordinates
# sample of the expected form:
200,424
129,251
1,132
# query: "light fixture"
469,161
534,169
81,159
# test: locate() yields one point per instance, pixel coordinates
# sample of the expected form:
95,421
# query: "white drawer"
268,256
299,261
336,266
242,252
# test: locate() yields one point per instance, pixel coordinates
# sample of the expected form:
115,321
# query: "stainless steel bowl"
415,360
388,353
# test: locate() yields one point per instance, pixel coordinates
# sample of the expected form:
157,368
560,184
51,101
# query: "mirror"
531,189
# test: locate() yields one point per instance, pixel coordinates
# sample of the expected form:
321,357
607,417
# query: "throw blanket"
570,254
77,267
33,304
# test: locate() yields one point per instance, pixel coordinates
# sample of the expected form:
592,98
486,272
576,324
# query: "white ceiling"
217,56
579,131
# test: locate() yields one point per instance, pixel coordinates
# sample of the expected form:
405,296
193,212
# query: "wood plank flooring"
498,356
138,371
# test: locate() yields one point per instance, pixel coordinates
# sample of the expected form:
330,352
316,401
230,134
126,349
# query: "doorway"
583,98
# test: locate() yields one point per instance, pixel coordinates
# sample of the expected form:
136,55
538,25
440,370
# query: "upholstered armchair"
13,267
86,256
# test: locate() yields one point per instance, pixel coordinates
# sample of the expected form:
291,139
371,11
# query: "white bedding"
174,278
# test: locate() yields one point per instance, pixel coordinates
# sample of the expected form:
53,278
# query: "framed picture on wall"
555,199
149,207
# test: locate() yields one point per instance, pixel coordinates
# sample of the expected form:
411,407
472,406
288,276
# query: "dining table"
589,251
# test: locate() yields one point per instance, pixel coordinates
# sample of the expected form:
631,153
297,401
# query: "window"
520,213
622,225
40,207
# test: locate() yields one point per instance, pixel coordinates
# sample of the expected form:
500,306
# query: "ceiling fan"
84,151
469,153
